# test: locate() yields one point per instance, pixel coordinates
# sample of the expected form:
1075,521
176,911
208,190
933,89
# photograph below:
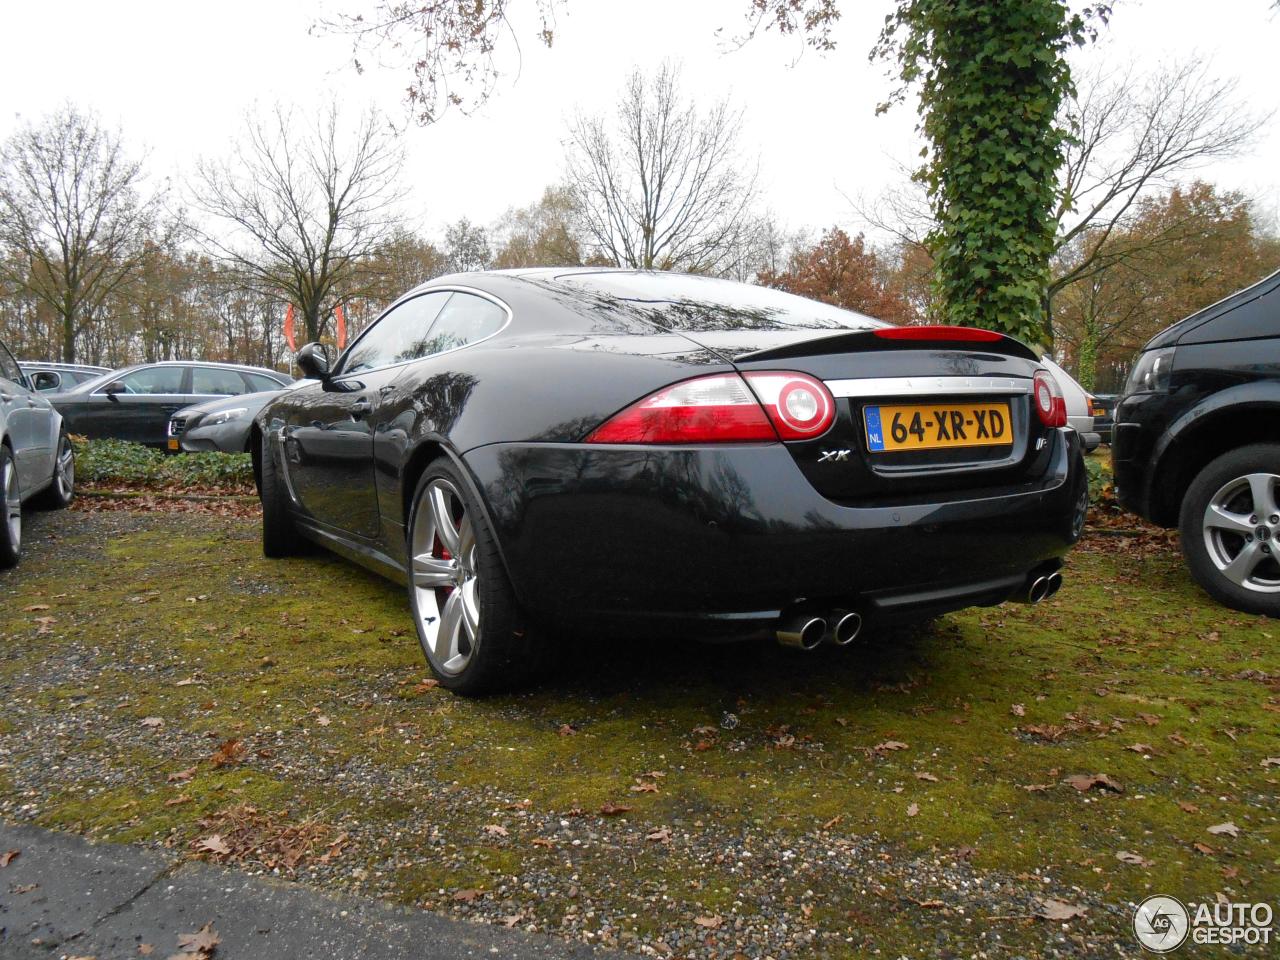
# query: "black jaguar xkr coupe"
632,452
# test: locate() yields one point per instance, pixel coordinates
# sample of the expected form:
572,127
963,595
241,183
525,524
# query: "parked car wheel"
465,611
59,494
1230,526
280,537
11,528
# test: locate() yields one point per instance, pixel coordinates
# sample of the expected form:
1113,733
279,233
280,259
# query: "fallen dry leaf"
644,786
177,801
1204,848
567,730
151,722
35,608
1228,828
543,842
467,896
1084,782
1124,856
1270,762
146,949
1037,787
890,745
511,920
927,776
1141,748
8,857
229,753
1188,807
613,809
323,721
711,923
1018,710
213,844
181,776
1051,909
913,809
495,830
204,941
661,835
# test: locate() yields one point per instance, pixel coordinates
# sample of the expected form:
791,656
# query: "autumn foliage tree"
846,273
1181,251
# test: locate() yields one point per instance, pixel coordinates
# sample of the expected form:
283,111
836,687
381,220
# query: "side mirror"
113,389
313,361
44,380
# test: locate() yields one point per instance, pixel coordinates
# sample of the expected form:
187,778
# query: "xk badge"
834,456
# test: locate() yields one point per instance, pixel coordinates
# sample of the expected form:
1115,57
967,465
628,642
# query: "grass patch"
313,665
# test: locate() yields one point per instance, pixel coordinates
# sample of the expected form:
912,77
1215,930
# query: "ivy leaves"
991,76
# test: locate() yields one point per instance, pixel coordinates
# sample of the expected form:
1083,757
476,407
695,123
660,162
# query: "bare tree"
661,184
448,45
1134,137
302,204
73,220
466,247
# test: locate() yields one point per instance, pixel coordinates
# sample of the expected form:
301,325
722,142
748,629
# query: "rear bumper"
721,540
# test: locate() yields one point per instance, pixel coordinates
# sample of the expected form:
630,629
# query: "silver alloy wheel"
65,472
444,577
12,503
1241,526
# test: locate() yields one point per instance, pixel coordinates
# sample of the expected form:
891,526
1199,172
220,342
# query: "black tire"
280,536
1211,547
62,490
503,653
10,545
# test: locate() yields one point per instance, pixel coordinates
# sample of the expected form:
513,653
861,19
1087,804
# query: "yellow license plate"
173,443
933,426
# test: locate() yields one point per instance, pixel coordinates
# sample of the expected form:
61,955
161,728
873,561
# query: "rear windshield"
691,303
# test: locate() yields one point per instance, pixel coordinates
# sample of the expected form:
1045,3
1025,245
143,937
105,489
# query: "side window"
153,380
258,383
216,381
9,368
395,337
465,319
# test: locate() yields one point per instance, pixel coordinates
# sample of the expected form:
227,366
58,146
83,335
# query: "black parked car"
135,403
1197,443
49,377
641,452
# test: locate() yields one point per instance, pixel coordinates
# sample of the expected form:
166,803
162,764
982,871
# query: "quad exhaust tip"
846,625
1040,588
802,631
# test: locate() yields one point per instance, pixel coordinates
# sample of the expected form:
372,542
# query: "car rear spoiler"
923,337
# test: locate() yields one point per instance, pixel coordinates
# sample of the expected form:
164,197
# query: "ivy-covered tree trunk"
1087,362
992,75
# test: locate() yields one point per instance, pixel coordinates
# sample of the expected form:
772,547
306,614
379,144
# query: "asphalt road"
62,896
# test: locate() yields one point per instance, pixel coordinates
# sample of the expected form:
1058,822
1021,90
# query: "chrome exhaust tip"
1036,592
801,631
1053,585
845,628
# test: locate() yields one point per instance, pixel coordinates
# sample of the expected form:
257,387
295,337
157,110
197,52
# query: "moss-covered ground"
908,795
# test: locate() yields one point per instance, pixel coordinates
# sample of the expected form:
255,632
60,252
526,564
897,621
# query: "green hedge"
118,461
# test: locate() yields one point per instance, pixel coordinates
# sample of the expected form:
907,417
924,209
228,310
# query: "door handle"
6,397
386,389
361,407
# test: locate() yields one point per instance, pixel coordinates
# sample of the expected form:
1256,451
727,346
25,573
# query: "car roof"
90,385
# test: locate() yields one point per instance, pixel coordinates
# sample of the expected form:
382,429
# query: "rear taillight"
800,407
939,332
721,408
714,409
1051,406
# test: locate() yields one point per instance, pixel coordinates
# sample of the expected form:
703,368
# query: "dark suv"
1197,443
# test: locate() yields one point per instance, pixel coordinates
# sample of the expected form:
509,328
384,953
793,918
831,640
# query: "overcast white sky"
177,77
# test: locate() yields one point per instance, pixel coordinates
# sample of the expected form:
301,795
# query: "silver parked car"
37,462
51,377
221,424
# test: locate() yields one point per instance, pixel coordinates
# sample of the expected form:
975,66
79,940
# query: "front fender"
1247,399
